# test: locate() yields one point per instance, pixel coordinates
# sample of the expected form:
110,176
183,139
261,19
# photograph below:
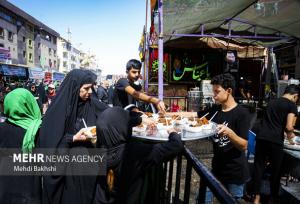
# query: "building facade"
28,41
68,56
8,38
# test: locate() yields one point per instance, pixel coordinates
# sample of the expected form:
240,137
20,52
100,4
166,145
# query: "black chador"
61,122
127,161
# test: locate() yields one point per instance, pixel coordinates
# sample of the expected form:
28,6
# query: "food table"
292,169
292,157
189,128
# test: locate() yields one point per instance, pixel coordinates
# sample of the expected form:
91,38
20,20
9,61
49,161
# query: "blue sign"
58,76
13,70
36,73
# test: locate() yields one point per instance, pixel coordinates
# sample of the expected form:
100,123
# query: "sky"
111,29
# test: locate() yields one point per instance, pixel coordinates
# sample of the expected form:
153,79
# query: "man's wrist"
289,130
157,102
154,100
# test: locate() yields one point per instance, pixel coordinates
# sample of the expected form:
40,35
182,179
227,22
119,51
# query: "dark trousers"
266,151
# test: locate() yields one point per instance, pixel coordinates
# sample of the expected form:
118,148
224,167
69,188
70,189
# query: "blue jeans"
237,191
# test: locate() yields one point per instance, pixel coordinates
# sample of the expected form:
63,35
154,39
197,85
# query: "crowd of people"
78,104
43,91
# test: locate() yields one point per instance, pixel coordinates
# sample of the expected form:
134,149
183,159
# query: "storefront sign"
190,66
58,76
4,55
8,70
36,73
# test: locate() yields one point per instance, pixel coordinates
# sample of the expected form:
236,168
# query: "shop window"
1,32
10,36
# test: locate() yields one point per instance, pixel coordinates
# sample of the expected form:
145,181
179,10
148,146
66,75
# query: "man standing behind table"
245,88
102,92
127,92
229,164
279,118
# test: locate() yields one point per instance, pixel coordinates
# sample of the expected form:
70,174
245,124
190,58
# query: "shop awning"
244,49
249,51
8,70
232,18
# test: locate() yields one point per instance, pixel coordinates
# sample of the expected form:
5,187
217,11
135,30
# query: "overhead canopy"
242,51
271,18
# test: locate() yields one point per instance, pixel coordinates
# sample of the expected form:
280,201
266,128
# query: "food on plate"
160,115
139,129
199,122
174,117
204,121
91,134
91,131
148,114
140,126
165,121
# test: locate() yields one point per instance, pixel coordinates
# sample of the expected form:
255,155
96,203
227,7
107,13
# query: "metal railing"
207,180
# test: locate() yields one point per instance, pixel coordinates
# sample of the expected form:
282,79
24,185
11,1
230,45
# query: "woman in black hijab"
127,161
62,128
33,89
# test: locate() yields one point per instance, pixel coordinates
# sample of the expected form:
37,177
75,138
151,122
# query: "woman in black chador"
127,161
63,128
